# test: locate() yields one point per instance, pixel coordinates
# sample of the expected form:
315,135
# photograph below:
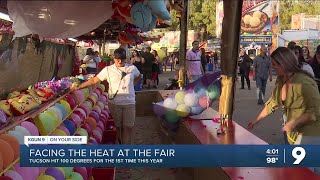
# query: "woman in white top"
302,63
90,61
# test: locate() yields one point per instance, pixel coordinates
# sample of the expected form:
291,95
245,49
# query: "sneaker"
260,102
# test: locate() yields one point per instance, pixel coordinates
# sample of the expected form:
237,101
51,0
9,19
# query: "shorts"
123,115
154,76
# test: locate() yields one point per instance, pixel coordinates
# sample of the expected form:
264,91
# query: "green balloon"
67,171
213,91
75,176
172,116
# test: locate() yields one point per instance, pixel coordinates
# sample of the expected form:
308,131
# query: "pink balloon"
31,128
76,119
95,116
96,134
103,99
28,173
97,109
98,91
105,113
100,125
71,100
99,129
82,171
85,108
3,117
95,95
205,101
82,112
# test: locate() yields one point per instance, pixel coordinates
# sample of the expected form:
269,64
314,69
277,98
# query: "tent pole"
183,43
229,58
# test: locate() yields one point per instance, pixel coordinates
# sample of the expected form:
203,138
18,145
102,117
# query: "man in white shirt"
121,78
193,62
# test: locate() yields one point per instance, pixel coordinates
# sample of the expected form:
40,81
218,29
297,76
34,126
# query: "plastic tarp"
58,19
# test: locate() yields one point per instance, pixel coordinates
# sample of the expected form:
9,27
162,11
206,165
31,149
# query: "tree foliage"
288,8
202,16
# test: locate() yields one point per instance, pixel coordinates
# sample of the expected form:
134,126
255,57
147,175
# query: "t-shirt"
89,61
193,62
124,86
308,68
262,65
148,60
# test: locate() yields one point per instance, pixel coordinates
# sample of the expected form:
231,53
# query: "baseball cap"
120,53
318,49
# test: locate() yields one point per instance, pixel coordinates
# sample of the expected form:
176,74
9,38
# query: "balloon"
60,132
3,117
49,122
196,110
205,102
97,109
103,99
23,130
99,129
6,178
45,177
161,54
97,135
64,129
81,113
170,103
70,125
57,111
159,109
13,175
213,91
28,173
200,90
67,171
82,171
18,135
66,105
80,96
75,176
55,172
93,141
190,99
87,127
82,132
95,95
100,125
94,115
31,128
151,26
14,144
183,110
103,87
92,122
101,105
179,97
7,153
63,110
171,116
76,119
85,108
71,100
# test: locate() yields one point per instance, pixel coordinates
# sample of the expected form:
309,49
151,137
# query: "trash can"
210,67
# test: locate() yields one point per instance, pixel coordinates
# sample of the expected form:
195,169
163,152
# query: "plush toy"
5,107
151,26
141,15
159,9
17,108
26,98
13,94
38,99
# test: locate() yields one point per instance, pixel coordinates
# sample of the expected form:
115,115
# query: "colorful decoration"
196,97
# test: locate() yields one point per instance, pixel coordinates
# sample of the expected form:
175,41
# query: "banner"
169,156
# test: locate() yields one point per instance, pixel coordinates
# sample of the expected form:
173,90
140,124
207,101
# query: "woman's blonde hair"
288,60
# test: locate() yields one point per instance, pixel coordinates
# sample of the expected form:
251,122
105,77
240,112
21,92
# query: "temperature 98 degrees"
299,154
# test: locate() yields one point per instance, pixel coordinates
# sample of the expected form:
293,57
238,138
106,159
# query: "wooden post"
229,58
183,43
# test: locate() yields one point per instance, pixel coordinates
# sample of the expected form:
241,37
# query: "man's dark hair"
194,42
148,48
120,53
291,45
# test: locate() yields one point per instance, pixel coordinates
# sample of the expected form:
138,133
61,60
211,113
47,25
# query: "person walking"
245,65
147,61
203,59
121,78
261,71
193,62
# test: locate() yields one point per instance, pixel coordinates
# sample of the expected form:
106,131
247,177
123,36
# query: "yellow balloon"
161,54
45,177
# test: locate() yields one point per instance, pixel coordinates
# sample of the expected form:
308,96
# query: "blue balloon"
70,126
62,109
196,110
